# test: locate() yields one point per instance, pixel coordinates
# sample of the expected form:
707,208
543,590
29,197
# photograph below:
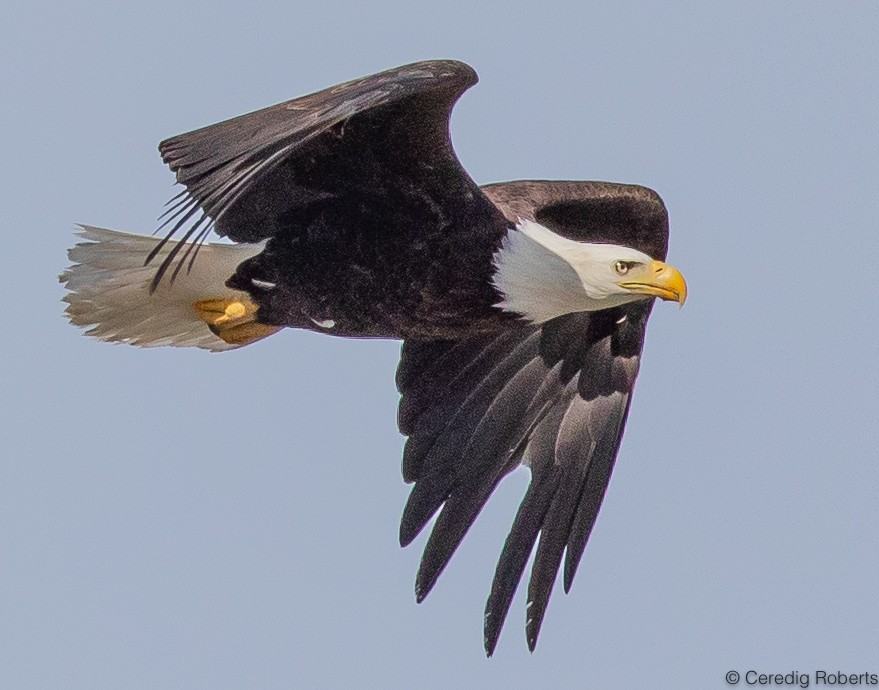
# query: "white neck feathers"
542,275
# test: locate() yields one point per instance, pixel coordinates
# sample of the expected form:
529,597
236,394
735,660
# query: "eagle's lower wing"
369,156
554,397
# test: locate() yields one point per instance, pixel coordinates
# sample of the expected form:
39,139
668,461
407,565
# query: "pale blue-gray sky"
177,519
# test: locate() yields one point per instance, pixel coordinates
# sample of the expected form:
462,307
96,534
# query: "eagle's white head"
542,275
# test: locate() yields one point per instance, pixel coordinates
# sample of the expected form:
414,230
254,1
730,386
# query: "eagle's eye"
622,267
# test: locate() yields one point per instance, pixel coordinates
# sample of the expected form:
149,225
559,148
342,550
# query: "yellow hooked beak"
657,279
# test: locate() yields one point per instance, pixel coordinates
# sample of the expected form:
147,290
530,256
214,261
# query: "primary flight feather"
522,306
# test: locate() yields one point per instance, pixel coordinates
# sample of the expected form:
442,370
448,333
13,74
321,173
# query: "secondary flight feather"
522,306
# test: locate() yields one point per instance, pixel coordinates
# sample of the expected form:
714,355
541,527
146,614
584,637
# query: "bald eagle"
522,306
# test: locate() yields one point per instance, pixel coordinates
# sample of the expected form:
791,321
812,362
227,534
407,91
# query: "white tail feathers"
110,290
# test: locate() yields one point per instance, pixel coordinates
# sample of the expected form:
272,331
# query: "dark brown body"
377,277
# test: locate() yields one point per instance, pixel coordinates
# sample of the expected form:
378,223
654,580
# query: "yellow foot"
233,320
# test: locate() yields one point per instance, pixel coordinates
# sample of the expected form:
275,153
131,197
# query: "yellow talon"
233,311
233,320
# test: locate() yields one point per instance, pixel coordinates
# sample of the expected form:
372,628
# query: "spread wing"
553,397
372,155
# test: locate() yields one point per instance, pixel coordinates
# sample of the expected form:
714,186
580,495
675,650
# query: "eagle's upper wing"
357,148
554,397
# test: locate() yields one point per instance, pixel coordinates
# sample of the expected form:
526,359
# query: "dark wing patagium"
365,167
554,397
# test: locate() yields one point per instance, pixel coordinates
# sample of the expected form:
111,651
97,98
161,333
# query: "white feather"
534,280
542,275
109,289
